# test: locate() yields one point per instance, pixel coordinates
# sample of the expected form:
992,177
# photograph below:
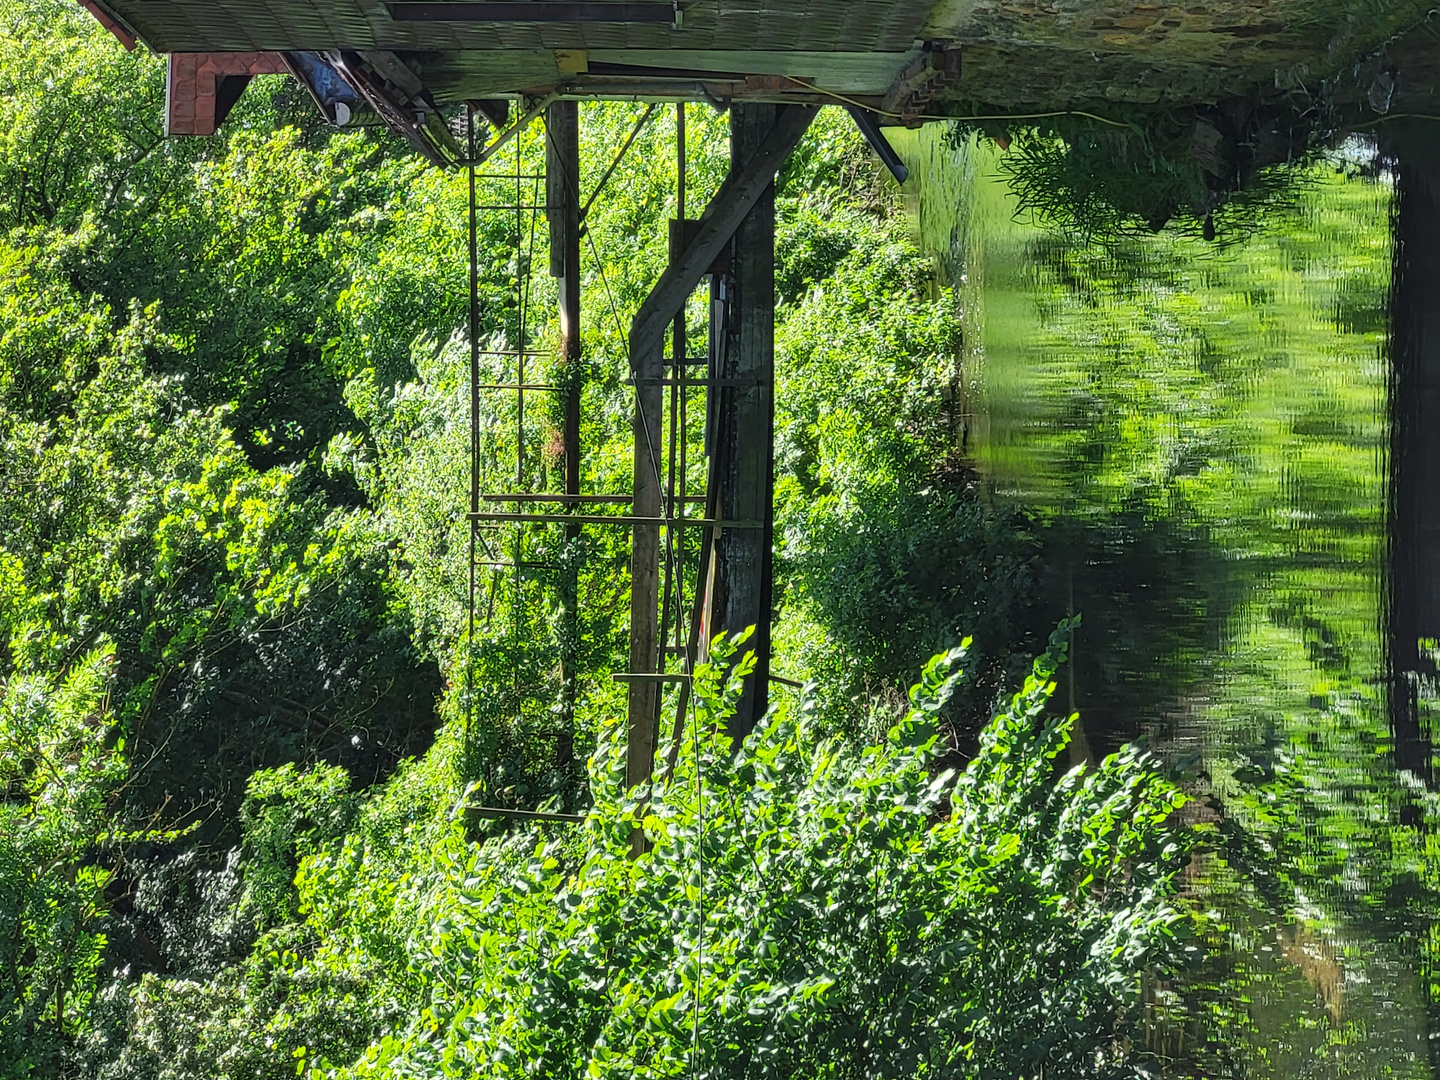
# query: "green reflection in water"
1202,433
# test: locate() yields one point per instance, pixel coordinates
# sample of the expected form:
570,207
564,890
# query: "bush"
805,910
59,768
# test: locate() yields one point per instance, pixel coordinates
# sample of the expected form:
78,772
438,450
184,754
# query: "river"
1204,433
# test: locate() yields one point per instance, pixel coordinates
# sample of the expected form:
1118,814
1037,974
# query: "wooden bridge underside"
772,63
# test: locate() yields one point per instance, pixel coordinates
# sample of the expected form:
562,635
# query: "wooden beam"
372,75
532,11
562,172
737,195
121,33
746,186
745,435
643,707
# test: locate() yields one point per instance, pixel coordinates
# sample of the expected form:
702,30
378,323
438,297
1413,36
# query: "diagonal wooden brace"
735,199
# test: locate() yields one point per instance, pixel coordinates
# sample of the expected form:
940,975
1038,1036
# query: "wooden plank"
536,11
737,195
844,72
393,68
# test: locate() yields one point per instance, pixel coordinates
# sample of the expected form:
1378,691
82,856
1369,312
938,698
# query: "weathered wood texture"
562,169
745,428
859,26
743,188
643,706
1017,53
760,144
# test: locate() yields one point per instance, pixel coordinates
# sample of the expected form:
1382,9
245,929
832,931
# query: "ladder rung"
617,519
686,381
572,499
555,497
680,677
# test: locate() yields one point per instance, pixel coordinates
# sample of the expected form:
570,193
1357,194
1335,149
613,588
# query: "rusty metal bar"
584,210
569,499
685,380
620,519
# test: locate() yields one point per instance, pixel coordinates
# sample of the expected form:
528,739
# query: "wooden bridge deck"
1017,53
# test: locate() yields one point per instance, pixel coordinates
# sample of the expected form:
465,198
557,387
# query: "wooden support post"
562,170
645,564
1414,517
747,185
746,424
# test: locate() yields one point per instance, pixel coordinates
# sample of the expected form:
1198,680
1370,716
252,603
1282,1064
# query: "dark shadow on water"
1156,595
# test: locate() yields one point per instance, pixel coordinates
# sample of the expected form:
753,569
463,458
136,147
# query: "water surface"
1202,432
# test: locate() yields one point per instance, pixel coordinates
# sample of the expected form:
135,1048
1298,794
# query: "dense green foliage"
800,911
236,718
59,775
1217,173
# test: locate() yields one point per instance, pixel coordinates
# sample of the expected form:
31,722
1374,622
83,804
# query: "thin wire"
902,116
474,445
584,210
1395,116
620,329
625,342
